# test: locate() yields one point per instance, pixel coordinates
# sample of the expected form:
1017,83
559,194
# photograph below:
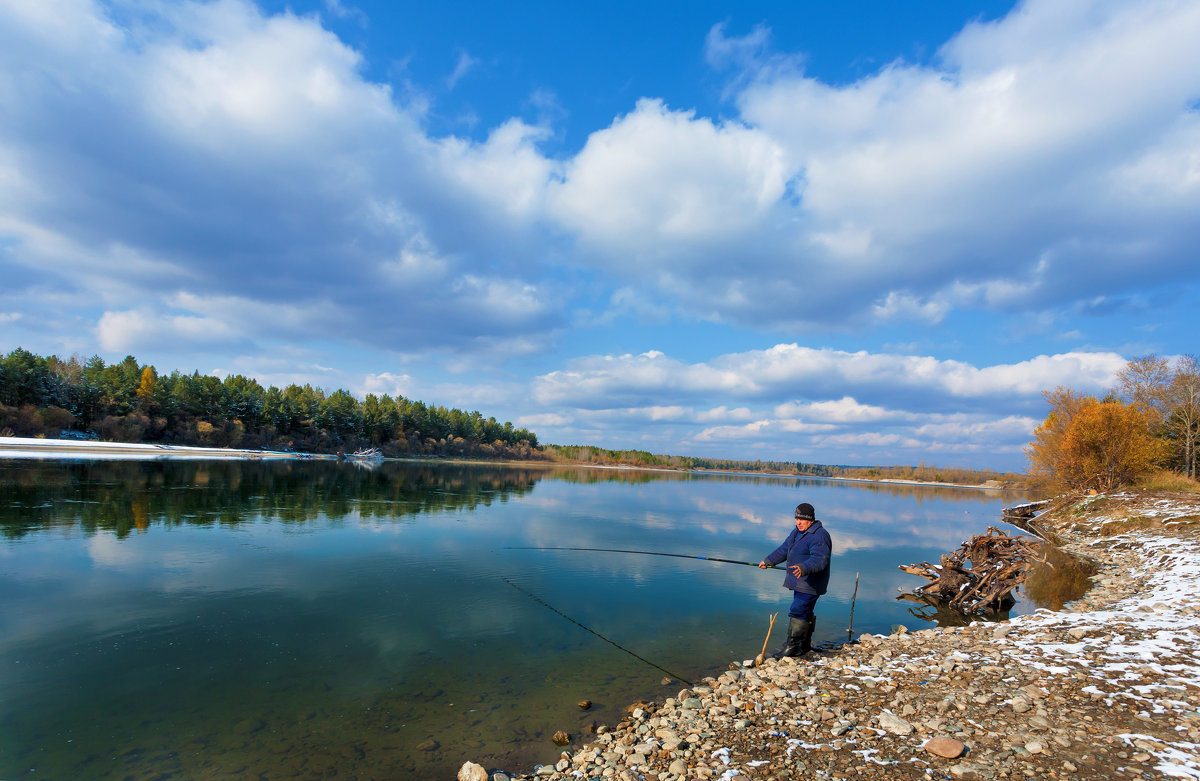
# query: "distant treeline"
132,402
589,454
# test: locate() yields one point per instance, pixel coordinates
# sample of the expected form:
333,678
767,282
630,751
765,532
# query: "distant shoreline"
69,449
792,475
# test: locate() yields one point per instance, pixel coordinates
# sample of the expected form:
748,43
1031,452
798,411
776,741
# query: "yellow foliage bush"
1087,443
207,434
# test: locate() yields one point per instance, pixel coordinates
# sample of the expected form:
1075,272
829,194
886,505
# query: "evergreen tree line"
1149,421
132,402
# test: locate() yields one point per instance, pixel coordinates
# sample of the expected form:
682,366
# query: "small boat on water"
367,458
366,454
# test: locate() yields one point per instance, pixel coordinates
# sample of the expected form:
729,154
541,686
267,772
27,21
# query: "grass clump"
1166,480
1125,525
1090,504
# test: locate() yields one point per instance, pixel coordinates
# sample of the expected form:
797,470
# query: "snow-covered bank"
1106,688
21,447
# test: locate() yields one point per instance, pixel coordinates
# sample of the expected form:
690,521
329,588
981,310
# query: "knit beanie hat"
806,512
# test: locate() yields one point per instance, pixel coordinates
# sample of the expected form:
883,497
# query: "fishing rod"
553,609
649,553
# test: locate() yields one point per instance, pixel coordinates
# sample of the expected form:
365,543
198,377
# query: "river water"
319,620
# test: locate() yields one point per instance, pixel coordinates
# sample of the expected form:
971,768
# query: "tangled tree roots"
998,564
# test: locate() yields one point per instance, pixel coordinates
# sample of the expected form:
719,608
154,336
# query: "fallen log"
1026,510
982,573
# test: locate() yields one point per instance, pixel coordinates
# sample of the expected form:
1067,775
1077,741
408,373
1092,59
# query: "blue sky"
830,232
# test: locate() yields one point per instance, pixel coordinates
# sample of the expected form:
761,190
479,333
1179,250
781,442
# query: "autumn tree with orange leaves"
1089,443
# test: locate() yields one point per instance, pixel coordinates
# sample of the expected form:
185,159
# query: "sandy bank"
1108,687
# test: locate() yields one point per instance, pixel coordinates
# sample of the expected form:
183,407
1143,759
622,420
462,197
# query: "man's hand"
762,565
797,570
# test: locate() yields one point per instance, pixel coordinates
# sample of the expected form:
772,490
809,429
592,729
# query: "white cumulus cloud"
657,178
786,371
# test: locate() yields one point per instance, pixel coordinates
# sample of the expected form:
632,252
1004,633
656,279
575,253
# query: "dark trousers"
802,606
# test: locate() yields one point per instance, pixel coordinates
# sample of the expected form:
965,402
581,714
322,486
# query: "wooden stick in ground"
758,660
850,628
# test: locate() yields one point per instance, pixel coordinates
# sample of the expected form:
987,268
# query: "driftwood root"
982,573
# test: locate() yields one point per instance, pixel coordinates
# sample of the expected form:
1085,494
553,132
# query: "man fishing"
807,550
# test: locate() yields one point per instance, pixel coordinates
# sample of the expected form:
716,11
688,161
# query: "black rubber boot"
799,638
806,636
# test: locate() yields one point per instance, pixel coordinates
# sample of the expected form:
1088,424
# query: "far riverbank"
27,447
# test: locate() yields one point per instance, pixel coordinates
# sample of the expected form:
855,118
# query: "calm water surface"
318,620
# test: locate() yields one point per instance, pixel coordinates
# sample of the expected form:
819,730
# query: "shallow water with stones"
313,619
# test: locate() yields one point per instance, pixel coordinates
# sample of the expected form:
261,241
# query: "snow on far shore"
22,447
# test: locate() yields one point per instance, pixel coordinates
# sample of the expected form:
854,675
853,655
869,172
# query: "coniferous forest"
132,402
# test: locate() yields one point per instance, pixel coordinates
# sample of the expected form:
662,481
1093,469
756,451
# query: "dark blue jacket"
811,550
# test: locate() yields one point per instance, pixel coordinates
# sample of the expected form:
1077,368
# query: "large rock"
945,747
894,724
472,772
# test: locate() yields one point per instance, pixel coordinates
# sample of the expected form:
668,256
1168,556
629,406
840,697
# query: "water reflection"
123,496
935,611
1059,579
284,619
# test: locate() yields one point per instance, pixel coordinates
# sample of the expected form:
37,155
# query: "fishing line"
550,607
650,553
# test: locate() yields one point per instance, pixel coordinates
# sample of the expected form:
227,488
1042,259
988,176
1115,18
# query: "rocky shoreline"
1106,688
